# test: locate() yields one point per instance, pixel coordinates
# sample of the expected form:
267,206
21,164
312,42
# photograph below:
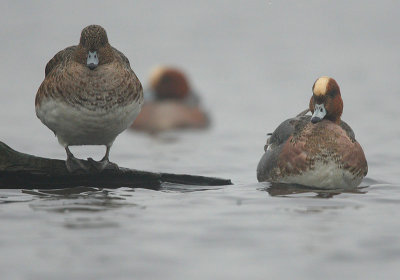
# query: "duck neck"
335,119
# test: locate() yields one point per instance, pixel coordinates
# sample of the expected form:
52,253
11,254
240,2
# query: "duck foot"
75,165
103,164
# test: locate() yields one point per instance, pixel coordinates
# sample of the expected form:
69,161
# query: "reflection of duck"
170,103
291,190
89,95
319,150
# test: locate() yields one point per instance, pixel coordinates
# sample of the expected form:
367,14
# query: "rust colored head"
326,101
169,83
93,49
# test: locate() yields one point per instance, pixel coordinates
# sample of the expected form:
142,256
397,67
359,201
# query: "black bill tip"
91,66
315,119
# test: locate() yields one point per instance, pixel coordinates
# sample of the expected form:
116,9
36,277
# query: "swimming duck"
89,95
318,150
170,103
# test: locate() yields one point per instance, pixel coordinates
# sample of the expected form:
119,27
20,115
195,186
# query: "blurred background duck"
170,103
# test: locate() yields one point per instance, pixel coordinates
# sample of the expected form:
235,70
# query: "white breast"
80,126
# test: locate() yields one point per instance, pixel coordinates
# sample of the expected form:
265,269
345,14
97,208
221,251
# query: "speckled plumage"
99,101
324,154
85,104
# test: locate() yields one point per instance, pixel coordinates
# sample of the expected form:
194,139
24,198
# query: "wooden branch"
19,170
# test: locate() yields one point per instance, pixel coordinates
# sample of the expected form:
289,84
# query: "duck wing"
122,57
60,57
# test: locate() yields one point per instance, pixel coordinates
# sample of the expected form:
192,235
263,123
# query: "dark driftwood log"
19,170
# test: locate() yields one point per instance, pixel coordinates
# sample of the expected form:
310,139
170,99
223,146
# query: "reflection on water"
291,190
81,199
169,187
89,223
13,196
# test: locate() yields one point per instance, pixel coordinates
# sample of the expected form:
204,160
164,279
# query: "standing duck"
89,95
317,151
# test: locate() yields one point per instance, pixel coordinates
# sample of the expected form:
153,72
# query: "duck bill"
319,113
92,60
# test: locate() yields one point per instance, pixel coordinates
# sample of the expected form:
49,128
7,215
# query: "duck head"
93,49
326,101
169,83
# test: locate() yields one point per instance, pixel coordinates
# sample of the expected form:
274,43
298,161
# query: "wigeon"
317,151
170,103
89,95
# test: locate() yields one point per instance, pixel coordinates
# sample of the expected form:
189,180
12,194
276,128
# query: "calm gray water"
254,62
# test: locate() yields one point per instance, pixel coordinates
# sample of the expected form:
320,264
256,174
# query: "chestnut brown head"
169,83
326,101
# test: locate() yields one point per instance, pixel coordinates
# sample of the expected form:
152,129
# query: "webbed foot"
103,164
75,165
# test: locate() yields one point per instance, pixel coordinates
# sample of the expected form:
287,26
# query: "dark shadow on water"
67,192
293,191
80,199
88,199
169,187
